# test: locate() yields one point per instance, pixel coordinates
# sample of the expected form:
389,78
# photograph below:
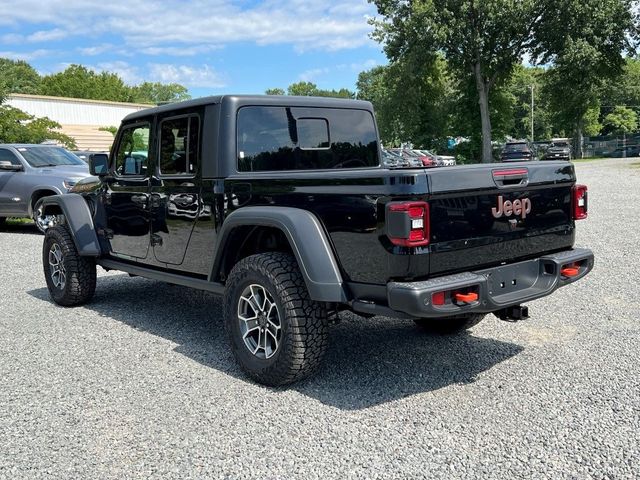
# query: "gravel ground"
140,382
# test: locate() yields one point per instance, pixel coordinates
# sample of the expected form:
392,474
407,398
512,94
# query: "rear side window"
179,138
295,138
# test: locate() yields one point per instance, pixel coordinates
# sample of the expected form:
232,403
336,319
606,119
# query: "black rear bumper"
496,288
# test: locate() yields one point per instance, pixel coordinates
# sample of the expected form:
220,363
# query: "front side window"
133,151
8,156
179,140
304,138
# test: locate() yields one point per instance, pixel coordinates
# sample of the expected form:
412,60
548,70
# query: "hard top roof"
243,100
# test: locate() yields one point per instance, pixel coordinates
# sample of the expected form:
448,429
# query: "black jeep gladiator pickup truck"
281,205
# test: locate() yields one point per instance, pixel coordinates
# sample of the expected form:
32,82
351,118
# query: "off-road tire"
80,272
450,325
304,327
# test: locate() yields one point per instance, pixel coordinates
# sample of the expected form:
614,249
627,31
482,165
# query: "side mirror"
98,164
10,167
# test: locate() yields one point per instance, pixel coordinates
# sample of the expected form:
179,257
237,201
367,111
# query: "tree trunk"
483,87
579,139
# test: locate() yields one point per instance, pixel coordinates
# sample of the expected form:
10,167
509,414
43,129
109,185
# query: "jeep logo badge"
507,208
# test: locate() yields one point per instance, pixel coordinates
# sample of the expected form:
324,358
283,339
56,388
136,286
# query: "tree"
77,81
17,76
518,89
485,40
584,42
310,89
17,126
621,120
481,39
157,93
412,100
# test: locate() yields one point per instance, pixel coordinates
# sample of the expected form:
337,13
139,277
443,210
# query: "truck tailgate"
489,214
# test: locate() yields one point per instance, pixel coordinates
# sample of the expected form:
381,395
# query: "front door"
13,195
175,200
126,198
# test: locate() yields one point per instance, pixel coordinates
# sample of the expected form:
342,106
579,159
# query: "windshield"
49,156
560,144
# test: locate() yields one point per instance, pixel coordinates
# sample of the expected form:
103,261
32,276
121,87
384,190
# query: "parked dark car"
519,151
560,150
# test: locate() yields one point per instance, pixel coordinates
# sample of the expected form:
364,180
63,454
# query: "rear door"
126,200
484,215
176,202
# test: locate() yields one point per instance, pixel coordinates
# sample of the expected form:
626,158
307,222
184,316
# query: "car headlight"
70,182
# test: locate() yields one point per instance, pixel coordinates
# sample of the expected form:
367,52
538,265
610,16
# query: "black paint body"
173,224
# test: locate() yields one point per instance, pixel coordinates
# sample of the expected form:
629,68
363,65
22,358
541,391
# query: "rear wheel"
277,333
449,325
71,279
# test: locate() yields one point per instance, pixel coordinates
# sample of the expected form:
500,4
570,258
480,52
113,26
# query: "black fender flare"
79,220
308,241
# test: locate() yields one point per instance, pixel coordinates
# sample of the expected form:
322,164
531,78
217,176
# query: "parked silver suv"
30,172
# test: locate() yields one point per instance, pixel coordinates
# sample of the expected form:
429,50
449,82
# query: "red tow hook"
570,271
466,297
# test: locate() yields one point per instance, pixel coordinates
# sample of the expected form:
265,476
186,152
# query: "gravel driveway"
140,382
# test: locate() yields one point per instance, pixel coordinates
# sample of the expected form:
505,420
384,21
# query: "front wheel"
449,325
277,333
71,279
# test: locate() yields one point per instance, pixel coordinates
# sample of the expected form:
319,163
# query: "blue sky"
210,46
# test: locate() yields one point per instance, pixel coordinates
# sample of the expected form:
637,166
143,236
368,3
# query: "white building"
81,119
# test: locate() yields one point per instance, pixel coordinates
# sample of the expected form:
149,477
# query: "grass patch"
19,221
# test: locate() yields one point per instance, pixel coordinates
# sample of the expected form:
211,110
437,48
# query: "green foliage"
157,93
111,129
78,81
310,89
17,76
484,43
412,100
17,126
621,120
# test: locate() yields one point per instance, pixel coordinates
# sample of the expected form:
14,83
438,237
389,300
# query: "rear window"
295,138
516,147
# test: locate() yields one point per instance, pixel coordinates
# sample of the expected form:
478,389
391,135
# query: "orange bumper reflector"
466,297
571,271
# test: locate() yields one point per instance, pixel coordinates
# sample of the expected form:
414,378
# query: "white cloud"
312,74
128,73
96,49
188,76
306,25
26,56
47,35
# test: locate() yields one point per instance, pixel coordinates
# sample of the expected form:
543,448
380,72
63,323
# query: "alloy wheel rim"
57,269
43,222
259,321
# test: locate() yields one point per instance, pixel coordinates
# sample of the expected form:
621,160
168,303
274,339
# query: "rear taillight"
408,223
580,204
